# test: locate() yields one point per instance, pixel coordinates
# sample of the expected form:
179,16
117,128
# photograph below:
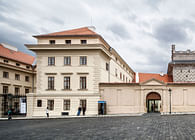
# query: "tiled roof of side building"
147,76
73,32
16,55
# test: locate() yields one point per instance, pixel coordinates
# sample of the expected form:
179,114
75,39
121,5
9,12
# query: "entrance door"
153,102
154,105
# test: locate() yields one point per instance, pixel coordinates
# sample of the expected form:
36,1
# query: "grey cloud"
170,31
119,30
15,39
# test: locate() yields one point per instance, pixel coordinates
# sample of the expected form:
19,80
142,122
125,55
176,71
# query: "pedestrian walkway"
63,117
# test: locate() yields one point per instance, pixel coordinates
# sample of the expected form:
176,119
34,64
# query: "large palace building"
78,68
70,66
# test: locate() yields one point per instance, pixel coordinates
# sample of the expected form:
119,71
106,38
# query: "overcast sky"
141,31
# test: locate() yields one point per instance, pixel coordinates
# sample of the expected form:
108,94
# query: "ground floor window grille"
66,104
50,104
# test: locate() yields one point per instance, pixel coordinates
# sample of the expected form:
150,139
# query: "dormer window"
68,41
5,61
52,41
83,41
17,64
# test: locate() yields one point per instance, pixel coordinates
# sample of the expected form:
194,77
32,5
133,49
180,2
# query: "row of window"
16,90
66,104
17,76
68,42
17,64
51,79
67,60
122,76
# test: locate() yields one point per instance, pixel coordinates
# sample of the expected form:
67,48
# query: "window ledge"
67,89
50,89
83,89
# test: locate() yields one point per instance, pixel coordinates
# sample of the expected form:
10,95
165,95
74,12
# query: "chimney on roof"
173,51
91,28
137,77
9,47
161,74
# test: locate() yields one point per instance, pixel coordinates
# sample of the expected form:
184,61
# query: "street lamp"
170,100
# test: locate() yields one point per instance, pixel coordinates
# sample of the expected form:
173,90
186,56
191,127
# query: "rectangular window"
83,41
39,103
51,61
52,41
27,78
51,83
5,89
17,77
5,61
17,64
50,104
68,41
120,75
26,90
123,77
28,67
107,66
5,74
83,103
83,83
66,82
83,60
116,74
67,60
66,104
17,90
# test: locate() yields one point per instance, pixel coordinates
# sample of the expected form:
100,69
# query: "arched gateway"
153,102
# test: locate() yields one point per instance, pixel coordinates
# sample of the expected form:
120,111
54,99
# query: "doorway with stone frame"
153,102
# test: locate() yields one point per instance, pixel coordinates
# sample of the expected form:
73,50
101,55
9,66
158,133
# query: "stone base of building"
33,110
177,113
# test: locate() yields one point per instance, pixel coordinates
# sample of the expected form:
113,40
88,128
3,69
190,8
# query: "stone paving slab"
146,127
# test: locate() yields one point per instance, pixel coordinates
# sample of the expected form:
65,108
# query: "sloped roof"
73,32
147,76
16,55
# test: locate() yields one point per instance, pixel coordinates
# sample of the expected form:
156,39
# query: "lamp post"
170,100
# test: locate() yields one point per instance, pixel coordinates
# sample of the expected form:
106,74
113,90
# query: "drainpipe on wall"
33,68
109,72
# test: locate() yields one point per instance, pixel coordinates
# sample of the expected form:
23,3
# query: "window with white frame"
66,104
83,60
67,60
50,104
83,82
50,83
67,82
51,61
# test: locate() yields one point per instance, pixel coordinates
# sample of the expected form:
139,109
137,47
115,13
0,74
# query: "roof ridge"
76,31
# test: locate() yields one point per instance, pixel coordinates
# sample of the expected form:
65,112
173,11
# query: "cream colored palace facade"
70,66
78,68
17,78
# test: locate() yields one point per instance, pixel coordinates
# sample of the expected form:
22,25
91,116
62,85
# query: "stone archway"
153,102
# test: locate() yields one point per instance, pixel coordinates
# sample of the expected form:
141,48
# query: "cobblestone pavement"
146,127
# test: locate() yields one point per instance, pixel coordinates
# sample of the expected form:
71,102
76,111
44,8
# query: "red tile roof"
16,55
78,31
147,76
